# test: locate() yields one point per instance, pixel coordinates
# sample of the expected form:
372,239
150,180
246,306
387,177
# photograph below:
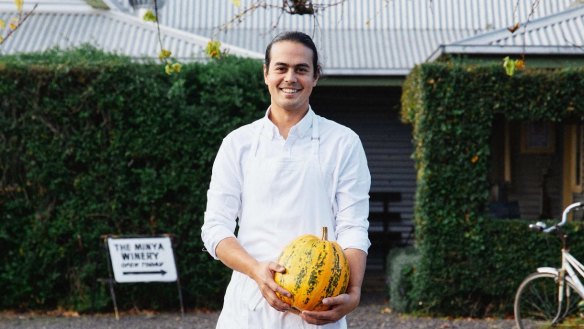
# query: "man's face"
290,77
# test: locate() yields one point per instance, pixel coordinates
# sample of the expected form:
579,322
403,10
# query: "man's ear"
265,74
317,76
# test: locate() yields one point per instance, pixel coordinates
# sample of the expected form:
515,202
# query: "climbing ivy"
471,265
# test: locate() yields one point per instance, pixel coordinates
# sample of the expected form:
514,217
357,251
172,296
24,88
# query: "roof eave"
505,50
397,72
187,35
363,79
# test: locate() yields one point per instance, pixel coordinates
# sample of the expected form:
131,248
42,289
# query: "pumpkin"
315,269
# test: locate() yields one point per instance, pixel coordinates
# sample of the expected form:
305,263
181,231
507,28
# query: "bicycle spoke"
537,304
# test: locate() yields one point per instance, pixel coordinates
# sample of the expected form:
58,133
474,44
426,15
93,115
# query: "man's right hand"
232,254
263,274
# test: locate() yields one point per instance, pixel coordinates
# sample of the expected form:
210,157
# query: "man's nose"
290,76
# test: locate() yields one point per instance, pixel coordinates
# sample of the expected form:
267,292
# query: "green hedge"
471,265
480,279
93,144
401,267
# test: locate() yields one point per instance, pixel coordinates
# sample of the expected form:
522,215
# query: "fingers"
339,307
272,299
338,300
323,317
272,284
269,287
276,267
320,317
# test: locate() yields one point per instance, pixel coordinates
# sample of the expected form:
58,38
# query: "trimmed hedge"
401,266
484,278
471,265
93,144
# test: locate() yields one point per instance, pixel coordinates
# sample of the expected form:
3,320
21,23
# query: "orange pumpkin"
315,269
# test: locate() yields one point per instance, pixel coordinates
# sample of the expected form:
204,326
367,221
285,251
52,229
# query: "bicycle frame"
571,269
572,265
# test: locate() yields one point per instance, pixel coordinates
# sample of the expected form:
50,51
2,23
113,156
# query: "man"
287,174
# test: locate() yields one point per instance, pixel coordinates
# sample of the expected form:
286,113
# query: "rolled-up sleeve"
352,198
223,198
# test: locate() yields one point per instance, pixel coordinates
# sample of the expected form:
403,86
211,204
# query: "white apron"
281,200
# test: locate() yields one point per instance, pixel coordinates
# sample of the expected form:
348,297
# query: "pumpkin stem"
324,233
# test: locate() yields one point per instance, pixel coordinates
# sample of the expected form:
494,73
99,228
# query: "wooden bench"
379,214
381,221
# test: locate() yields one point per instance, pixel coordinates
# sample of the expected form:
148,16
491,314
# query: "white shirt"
342,160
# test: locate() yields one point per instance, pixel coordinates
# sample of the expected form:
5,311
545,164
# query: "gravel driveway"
372,314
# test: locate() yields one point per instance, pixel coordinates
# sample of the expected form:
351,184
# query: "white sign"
142,259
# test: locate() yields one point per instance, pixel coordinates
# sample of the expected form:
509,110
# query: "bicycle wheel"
537,306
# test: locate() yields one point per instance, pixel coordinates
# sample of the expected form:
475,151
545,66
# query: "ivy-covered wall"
93,144
470,265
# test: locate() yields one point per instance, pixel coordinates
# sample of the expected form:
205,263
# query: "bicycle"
551,296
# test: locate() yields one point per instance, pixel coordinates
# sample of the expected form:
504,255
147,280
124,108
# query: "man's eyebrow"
286,64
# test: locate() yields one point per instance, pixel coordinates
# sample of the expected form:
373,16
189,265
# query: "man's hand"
235,257
340,306
263,274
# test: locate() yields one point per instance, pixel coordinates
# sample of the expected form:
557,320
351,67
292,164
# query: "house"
367,49
536,167
71,23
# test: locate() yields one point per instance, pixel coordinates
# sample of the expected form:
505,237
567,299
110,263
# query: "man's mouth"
290,90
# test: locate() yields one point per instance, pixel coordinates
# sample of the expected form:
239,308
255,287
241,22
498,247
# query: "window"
537,138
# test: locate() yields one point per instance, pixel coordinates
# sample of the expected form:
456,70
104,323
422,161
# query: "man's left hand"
340,306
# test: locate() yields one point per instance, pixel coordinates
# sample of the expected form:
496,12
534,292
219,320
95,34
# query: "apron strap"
315,136
254,146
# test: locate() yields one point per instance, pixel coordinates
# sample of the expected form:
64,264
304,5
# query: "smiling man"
288,174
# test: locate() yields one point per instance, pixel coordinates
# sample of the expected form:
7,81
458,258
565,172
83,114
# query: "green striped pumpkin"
315,269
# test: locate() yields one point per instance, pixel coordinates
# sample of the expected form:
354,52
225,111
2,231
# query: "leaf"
509,66
213,49
2,24
19,4
172,68
168,69
149,16
236,3
164,54
513,28
14,21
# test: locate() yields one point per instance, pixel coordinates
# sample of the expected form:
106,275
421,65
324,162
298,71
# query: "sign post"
141,259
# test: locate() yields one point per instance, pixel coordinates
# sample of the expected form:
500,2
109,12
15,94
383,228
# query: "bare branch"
247,11
158,23
21,20
517,24
378,12
581,47
291,7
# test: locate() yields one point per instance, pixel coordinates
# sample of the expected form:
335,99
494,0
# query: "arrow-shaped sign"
161,272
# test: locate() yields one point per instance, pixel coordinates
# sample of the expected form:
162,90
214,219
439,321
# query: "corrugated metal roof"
365,37
479,15
355,37
55,5
561,33
561,29
357,52
74,24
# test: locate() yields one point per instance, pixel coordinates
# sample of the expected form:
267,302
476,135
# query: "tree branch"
20,21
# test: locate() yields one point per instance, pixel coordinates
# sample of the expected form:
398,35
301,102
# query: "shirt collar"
301,129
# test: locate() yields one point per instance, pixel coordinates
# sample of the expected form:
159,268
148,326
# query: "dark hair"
297,37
